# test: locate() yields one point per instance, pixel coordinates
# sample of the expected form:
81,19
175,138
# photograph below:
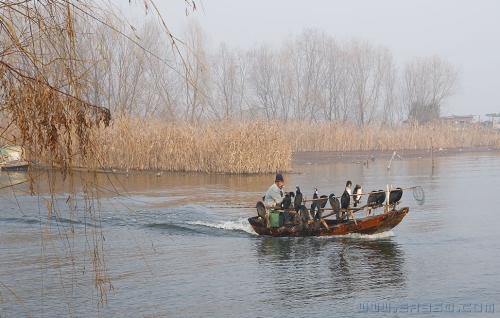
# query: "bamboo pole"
324,223
390,162
432,157
353,218
364,193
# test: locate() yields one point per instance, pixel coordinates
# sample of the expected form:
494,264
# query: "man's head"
279,180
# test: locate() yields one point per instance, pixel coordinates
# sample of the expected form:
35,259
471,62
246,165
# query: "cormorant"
348,185
298,199
380,197
334,202
320,204
345,200
315,195
395,195
323,202
304,215
357,190
376,198
287,201
314,205
372,198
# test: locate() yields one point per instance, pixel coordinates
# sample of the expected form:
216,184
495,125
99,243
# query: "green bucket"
276,219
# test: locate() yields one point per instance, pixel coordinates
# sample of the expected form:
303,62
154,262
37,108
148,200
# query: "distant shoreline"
327,157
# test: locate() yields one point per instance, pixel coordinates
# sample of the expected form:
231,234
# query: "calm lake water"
180,245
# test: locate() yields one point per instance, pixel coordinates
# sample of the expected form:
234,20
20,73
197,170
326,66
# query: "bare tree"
306,56
335,93
428,82
162,82
368,69
283,85
391,113
198,73
229,82
262,82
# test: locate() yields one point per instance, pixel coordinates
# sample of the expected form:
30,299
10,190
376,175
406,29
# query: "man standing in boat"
274,195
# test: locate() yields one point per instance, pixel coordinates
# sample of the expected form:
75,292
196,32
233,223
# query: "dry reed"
217,147
348,137
259,146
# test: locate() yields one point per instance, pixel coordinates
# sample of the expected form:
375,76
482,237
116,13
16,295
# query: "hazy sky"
464,32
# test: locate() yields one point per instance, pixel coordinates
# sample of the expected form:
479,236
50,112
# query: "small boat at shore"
12,158
327,227
14,165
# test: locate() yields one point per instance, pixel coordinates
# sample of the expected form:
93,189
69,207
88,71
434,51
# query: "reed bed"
348,137
257,146
217,147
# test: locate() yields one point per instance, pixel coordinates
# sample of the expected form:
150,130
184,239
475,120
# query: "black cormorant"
372,198
345,200
376,198
304,215
357,190
314,205
287,201
298,199
348,186
380,197
334,202
395,195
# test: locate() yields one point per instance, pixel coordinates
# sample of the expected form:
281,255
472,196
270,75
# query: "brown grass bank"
348,137
217,147
267,147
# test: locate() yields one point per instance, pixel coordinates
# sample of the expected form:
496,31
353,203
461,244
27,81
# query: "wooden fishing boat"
327,227
270,220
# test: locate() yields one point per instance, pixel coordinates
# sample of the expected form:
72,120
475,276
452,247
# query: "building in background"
458,120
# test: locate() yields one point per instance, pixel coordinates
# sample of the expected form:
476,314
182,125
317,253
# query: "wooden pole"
364,193
432,155
353,218
392,158
388,193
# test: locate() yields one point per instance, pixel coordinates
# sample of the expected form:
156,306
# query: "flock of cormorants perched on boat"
292,218
286,214
376,199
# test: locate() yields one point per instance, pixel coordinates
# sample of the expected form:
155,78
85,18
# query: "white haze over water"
465,33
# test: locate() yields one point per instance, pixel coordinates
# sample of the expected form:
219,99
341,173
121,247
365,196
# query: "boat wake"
240,224
376,236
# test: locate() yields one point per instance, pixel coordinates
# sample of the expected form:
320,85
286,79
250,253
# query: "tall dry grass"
348,137
217,147
259,146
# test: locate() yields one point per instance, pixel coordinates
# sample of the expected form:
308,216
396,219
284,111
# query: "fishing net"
419,195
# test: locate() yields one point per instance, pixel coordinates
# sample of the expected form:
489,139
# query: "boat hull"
14,166
368,225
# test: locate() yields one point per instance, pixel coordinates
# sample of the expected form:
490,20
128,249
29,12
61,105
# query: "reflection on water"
179,245
326,269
